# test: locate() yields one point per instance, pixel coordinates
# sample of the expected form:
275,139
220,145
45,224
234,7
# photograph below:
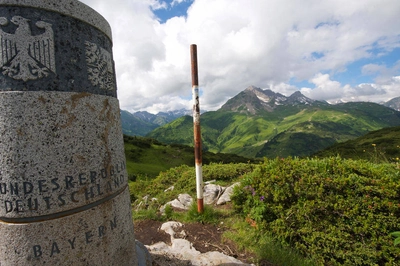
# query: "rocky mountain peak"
260,94
298,98
393,103
253,100
252,88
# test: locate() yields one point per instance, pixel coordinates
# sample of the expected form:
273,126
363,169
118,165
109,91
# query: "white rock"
186,200
184,250
182,202
226,196
211,193
177,204
170,227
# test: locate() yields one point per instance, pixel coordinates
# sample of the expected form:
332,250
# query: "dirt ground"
204,237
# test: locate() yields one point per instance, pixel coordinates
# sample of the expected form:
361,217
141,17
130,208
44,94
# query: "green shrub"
226,172
183,178
337,211
264,246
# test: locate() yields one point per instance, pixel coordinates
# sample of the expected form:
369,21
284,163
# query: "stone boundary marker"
64,196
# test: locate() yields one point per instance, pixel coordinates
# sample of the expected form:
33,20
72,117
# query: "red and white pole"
196,129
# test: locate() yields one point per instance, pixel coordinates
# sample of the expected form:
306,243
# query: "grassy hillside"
379,146
148,157
288,130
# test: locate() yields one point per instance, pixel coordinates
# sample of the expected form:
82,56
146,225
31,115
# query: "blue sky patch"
175,10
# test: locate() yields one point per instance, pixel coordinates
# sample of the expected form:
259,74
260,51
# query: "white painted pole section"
196,122
199,181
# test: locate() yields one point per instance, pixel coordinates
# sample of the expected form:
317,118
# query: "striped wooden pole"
196,129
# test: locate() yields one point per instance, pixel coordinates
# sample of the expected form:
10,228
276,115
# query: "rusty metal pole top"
193,55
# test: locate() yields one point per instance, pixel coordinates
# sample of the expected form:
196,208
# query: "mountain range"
393,103
262,123
142,122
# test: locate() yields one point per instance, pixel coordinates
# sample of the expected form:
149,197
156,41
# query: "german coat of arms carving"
100,67
24,56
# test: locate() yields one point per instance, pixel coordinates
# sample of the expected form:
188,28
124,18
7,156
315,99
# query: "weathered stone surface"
212,193
226,196
97,236
182,202
185,199
171,227
59,152
177,204
64,197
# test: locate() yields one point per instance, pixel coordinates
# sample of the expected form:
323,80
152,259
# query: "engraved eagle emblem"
24,56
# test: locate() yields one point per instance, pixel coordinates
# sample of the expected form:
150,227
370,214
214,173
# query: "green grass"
154,159
209,215
148,157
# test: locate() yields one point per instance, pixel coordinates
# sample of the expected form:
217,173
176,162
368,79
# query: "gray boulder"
212,193
226,196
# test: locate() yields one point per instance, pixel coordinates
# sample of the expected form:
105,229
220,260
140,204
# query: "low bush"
266,250
183,178
336,211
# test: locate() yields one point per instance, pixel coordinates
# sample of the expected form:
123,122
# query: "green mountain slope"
277,125
312,130
179,131
377,146
146,156
132,125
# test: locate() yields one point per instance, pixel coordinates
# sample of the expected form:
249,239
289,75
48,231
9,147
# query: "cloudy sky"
329,50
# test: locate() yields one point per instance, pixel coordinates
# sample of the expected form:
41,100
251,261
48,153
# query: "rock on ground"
226,196
182,251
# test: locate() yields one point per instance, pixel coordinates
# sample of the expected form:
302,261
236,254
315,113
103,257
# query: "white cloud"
266,43
177,2
156,4
383,73
283,88
333,91
325,88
